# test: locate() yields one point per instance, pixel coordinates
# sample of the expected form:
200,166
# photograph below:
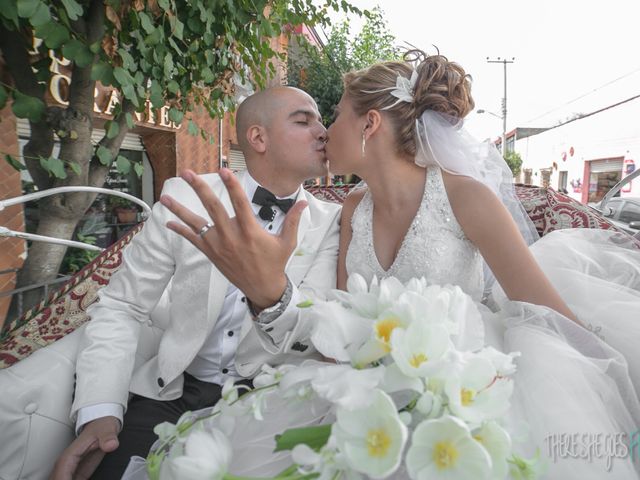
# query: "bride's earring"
364,141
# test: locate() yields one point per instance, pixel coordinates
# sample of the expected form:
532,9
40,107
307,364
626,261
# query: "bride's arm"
488,224
348,207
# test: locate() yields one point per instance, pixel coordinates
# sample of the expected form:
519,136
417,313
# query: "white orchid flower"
271,375
443,449
372,438
498,444
206,457
476,393
419,349
346,387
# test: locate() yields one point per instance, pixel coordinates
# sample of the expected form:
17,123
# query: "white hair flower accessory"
403,91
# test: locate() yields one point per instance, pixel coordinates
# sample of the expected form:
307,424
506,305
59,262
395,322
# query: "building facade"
585,156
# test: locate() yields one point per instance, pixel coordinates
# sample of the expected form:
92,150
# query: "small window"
630,213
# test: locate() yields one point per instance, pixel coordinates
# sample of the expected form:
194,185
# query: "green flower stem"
174,437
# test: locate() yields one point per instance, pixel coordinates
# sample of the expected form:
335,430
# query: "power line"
584,95
609,107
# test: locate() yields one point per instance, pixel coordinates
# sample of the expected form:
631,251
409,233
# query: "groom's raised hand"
252,259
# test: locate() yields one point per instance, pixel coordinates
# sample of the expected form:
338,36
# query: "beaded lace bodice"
434,247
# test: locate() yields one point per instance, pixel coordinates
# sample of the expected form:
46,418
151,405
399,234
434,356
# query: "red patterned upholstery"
64,310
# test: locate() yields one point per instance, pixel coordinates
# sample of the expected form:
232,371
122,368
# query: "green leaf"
3,97
56,166
26,8
164,5
127,60
129,118
173,86
102,72
25,106
168,65
104,155
73,135
177,28
41,16
123,164
14,162
156,95
176,115
146,23
73,8
122,76
113,129
77,169
139,169
78,52
53,34
305,304
192,128
207,75
95,47
314,437
9,10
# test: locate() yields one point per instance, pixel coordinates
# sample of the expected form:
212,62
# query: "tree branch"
15,51
98,171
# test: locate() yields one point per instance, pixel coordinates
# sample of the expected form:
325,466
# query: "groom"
229,313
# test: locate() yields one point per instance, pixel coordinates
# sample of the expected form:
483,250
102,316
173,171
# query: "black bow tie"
266,200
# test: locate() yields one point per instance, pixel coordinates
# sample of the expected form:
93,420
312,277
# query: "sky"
570,56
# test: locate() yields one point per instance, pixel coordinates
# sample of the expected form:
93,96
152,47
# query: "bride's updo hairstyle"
441,86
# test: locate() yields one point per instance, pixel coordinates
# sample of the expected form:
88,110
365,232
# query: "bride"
439,204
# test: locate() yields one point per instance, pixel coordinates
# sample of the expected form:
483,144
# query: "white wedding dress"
573,387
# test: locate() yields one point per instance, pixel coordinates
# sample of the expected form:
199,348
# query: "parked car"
624,212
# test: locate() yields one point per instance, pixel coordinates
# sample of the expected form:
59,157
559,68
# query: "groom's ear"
257,138
373,120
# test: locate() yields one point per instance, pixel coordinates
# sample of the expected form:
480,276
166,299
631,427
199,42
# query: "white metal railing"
5,232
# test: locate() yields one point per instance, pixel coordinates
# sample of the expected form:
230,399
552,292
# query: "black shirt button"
270,227
243,299
160,382
230,333
225,370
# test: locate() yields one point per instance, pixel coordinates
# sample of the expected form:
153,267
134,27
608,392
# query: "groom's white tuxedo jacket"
156,256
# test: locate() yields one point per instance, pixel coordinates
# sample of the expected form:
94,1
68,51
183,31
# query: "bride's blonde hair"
442,86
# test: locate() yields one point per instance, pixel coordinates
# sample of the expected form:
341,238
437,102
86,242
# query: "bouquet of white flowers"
413,392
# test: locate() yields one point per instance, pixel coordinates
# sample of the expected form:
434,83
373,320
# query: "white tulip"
498,444
206,457
418,350
346,387
443,449
337,329
372,438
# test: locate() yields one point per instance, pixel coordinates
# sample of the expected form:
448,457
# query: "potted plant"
125,211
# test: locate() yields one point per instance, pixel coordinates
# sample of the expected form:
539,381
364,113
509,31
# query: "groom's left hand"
251,258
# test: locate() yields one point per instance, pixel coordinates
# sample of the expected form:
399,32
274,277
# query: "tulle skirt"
577,388
574,404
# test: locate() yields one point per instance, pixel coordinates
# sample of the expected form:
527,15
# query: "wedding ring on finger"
205,228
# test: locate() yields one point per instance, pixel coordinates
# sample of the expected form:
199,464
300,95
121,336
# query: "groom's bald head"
259,109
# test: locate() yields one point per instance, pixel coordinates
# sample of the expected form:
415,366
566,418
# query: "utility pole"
504,62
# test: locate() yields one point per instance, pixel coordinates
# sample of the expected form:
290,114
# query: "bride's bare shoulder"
472,202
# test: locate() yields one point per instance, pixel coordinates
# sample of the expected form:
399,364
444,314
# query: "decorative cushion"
64,310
